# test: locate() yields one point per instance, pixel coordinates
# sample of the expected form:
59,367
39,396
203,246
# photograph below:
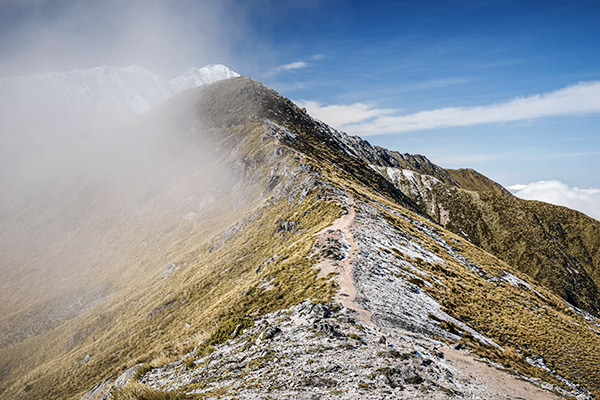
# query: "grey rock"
333,247
408,374
98,391
322,310
127,376
324,327
291,359
285,226
457,346
270,332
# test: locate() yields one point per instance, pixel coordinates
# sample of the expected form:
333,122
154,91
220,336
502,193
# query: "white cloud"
294,65
287,67
340,116
167,36
517,187
579,99
555,192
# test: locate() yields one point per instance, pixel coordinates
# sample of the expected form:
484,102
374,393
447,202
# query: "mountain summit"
103,92
195,77
279,257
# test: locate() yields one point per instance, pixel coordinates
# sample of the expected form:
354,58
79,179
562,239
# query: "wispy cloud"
579,99
434,84
293,65
586,201
342,115
286,67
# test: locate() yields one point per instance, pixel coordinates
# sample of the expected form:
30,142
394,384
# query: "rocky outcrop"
316,350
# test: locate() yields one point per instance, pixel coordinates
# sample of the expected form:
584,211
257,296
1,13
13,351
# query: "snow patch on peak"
60,99
194,77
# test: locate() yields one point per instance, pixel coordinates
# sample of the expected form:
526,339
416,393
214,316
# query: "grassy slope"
152,321
469,179
146,321
526,323
523,322
558,247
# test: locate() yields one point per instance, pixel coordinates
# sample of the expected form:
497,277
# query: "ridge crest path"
347,293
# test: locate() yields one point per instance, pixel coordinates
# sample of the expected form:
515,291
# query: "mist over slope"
51,124
103,92
228,202
87,198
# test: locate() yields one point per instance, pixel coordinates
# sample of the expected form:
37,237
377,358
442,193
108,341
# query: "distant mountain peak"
65,98
218,70
194,77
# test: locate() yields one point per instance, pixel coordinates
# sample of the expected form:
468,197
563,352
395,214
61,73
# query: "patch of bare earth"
501,384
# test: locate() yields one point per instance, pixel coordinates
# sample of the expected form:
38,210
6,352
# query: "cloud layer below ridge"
555,192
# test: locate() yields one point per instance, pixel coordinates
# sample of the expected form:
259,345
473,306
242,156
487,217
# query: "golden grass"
520,320
212,287
544,241
524,322
136,391
152,320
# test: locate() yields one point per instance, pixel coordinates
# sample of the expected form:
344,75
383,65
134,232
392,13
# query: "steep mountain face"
210,299
195,77
56,121
108,90
558,247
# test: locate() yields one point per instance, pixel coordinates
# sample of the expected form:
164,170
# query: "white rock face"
100,93
320,351
201,76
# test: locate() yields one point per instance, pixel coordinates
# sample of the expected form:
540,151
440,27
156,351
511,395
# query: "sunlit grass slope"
171,281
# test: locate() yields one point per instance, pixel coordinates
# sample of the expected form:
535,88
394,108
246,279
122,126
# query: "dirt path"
346,294
502,385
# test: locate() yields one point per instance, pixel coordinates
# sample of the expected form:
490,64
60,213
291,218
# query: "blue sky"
510,88
424,56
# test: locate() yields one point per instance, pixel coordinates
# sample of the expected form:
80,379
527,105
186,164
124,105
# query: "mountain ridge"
485,213
296,177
